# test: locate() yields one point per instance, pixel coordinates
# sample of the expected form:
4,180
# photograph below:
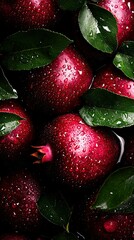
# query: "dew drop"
14,213
91,34
69,67
118,65
13,205
3,128
84,150
129,86
118,122
106,28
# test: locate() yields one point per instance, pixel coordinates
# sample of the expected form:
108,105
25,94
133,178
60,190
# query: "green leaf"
98,27
117,192
65,236
124,59
6,90
54,208
71,4
8,122
31,49
104,108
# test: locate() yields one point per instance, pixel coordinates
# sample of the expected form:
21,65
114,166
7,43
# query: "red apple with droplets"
123,12
57,87
113,80
23,15
13,237
20,191
80,154
16,144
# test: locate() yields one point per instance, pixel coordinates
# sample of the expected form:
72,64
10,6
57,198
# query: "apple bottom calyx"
43,154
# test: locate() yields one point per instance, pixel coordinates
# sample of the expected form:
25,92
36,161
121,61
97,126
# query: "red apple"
112,79
16,144
81,155
56,88
123,11
23,15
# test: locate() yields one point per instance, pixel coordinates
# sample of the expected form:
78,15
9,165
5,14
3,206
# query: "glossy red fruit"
15,145
81,154
112,79
19,194
24,15
57,87
13,237
123,11
106,226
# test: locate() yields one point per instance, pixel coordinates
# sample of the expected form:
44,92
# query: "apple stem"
43,154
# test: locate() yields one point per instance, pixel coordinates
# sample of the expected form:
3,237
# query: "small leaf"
6,90
98,27
104,108
71,4
8,122
117,192
124,59
31,49
65,236
54,208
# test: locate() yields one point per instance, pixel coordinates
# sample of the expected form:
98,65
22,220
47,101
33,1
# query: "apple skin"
113,80
15,146
104,226
80,155
97,224
56,88
23,15
20,191
123,11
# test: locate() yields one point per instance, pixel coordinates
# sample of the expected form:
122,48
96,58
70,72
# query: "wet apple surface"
67,120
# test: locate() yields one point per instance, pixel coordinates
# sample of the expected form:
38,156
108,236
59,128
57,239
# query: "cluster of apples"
68,153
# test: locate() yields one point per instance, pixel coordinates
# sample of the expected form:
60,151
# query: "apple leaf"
71,4
30,49
117,192
8,122
54,208
6,90
104,108
124,59
98,27
64,236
